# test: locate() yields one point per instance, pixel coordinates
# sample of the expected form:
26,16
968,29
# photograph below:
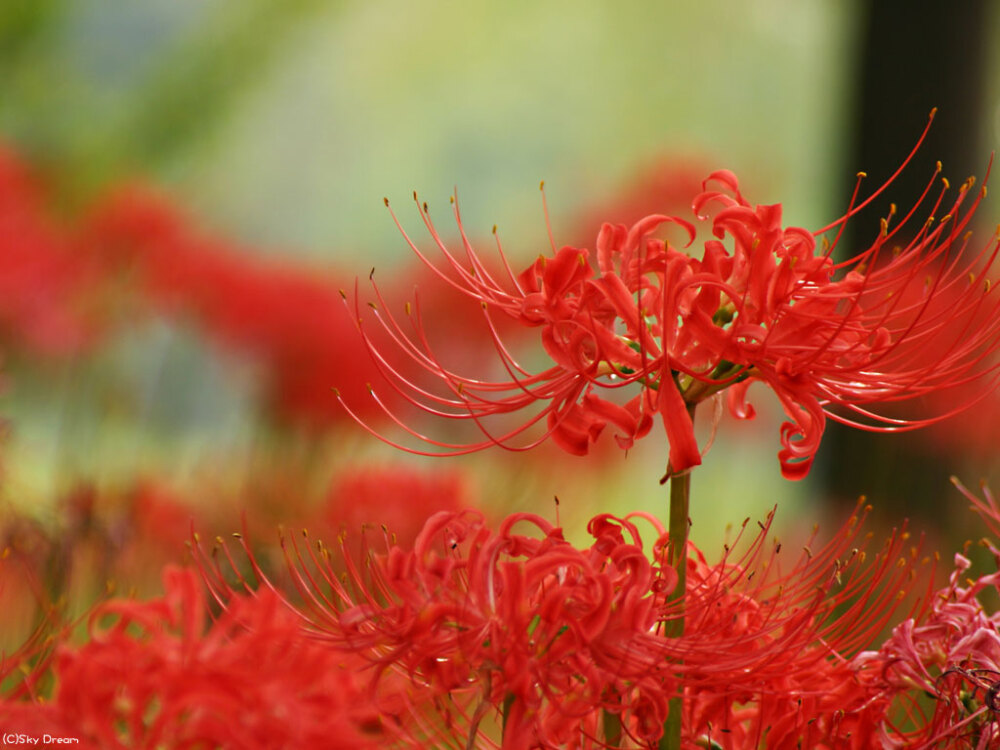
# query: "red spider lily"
564,646
763,303
482,623
767,653
155,678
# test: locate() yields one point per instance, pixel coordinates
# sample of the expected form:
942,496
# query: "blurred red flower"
47,304
291,320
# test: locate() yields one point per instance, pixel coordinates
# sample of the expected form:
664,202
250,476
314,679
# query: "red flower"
767,649
290,320
155,678
761,304
483,623
46,290
395,497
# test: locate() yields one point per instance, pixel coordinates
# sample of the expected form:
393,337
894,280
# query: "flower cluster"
519,632
509,636
763,302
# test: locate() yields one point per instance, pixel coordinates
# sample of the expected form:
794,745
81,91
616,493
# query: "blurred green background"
282,125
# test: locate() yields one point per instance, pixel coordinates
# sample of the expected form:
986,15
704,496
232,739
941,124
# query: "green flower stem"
680,498
612,729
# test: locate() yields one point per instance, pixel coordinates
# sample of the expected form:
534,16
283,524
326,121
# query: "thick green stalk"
680,498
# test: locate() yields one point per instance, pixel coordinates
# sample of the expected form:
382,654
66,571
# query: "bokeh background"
187,185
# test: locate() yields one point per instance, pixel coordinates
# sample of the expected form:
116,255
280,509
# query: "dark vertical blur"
912,57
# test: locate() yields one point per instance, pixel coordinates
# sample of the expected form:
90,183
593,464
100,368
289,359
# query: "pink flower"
950,653
762,303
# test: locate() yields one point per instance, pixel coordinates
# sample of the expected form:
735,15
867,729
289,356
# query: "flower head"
514,622
763,302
